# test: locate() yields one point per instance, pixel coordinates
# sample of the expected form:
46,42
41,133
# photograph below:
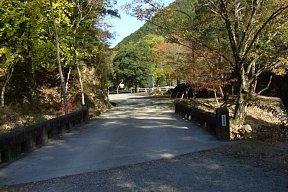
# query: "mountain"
150,28
147,28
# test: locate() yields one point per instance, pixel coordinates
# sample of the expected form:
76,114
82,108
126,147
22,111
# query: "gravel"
227,168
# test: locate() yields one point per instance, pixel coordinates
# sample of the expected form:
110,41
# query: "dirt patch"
270,156
17,117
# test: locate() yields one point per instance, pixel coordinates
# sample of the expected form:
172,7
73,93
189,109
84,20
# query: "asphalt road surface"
137,130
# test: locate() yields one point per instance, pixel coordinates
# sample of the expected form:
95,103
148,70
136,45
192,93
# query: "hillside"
199,49
183,6
155,25
146,29
51,58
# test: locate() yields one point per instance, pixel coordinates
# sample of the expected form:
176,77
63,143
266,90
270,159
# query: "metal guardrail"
142,90
15,144
161,89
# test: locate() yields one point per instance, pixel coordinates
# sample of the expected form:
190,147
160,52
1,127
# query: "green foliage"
27,42
251,36
146,29
140,52
133,64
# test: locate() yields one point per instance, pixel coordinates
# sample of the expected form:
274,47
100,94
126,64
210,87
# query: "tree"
132,64
28,48
18,31
85,14
253,29
247,34
57,46
79,38
158,66
7,71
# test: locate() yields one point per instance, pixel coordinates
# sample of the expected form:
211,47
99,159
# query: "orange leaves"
160,47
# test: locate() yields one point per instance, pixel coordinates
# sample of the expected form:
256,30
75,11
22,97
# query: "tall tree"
83,34
253,29
132,64
247,34
18,31
32,42
57,46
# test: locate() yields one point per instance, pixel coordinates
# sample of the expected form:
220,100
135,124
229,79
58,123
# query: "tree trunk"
68,78
246,91
79,76
81,84
216,98
63,90
117,90
241,107
33,96
267,87
3,94
76,24
221,91
9,75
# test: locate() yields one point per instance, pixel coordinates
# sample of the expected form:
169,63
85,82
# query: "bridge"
137,130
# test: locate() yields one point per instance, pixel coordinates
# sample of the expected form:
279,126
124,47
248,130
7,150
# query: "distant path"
139,129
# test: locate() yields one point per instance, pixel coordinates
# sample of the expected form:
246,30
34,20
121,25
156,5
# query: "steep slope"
149,27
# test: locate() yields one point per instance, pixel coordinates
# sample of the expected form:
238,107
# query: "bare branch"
250,21
189,16
274,15
230,31
267,87
267,67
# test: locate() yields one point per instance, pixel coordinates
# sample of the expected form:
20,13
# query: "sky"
127,24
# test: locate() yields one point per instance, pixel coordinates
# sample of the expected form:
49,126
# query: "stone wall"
16,144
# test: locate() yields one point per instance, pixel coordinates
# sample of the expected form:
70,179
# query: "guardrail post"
222,124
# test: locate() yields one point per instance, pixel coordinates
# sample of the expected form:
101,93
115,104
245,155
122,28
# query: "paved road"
139,129
208,171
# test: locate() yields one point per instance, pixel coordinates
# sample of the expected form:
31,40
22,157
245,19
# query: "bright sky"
127,24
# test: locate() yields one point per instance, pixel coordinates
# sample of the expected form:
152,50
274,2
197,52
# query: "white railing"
150,90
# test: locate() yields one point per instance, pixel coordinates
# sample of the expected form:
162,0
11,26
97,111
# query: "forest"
54,58
232,49
55,55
